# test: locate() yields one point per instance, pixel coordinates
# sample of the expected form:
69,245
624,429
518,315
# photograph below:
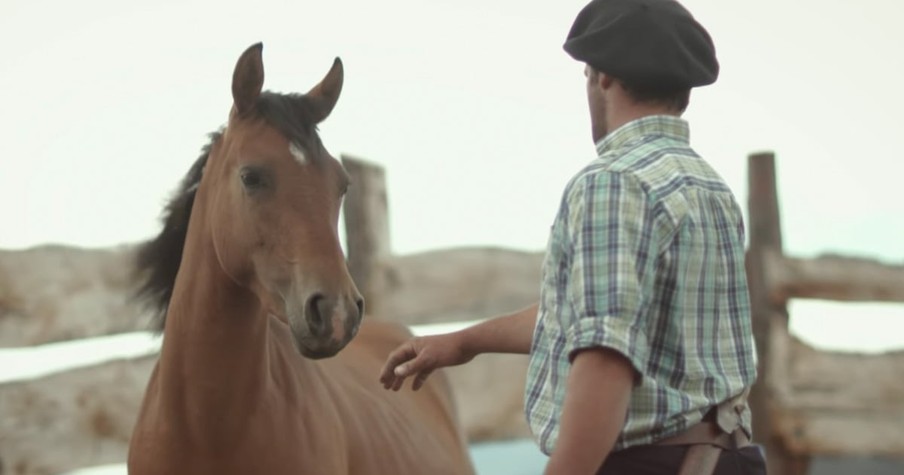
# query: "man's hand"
420,356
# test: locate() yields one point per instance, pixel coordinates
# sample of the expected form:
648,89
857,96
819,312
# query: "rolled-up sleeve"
612,262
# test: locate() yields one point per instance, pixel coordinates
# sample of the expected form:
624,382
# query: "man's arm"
614,246
596,404
418,357
511,333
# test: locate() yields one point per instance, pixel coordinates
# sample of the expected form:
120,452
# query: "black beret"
652,43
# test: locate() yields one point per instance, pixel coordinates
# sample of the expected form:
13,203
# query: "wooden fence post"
770,318
367,228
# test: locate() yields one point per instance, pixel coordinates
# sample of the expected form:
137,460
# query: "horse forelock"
291,114
158,260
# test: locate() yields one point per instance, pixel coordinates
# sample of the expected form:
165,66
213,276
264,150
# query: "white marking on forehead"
298,153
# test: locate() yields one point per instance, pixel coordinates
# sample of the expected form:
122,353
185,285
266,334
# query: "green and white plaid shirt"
645,257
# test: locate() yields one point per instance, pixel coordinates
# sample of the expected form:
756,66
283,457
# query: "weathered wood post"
770,317
367,228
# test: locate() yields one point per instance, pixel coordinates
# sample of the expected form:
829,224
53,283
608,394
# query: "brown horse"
255,299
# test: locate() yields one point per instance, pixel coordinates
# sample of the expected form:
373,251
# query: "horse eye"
252,179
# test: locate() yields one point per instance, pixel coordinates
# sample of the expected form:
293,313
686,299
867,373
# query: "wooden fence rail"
834,278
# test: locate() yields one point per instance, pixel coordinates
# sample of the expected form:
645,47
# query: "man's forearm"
511,333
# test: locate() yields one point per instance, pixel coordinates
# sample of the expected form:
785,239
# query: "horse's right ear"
248,79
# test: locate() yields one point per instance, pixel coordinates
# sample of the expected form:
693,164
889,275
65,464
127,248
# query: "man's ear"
606,81
599,78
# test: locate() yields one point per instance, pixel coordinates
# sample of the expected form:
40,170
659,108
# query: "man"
641,351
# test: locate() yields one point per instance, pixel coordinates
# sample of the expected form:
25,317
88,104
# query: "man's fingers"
396,358
412,358
417,366
397,383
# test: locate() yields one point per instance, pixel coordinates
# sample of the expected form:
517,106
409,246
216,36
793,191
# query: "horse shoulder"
410,428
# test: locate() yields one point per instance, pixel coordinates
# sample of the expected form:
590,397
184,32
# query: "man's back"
649,248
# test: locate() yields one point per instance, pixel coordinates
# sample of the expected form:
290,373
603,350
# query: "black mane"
158,260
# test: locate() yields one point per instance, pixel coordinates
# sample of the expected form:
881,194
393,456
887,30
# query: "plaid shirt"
645,257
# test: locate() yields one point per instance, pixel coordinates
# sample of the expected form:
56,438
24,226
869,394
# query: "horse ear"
248,79
323,96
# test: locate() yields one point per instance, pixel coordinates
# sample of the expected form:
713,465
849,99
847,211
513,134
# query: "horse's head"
271,195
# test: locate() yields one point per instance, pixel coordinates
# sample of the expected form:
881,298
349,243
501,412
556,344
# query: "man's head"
603,89
652,52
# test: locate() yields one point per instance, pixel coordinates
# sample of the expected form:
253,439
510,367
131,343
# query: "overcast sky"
472,106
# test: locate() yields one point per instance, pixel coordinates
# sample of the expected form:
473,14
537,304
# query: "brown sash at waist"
705,441
708,433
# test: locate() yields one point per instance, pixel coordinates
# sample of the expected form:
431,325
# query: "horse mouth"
317,349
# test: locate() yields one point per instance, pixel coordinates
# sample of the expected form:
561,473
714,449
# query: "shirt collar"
654,125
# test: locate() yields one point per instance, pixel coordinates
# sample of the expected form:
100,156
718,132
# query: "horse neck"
214,361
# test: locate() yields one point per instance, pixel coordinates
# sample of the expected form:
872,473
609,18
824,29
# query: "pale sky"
476,112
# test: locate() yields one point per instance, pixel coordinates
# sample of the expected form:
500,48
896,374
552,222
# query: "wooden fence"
806,403
810,402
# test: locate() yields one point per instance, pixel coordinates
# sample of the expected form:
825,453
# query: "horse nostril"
312,310
360,303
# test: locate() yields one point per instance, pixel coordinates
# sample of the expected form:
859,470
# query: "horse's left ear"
324,95
248,79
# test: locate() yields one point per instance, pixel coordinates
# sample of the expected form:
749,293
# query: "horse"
267,365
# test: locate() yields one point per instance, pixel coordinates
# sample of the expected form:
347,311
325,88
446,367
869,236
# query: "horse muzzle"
325,324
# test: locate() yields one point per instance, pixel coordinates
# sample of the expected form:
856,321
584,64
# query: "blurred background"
478,119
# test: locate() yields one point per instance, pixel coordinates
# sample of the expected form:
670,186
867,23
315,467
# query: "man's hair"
674,99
